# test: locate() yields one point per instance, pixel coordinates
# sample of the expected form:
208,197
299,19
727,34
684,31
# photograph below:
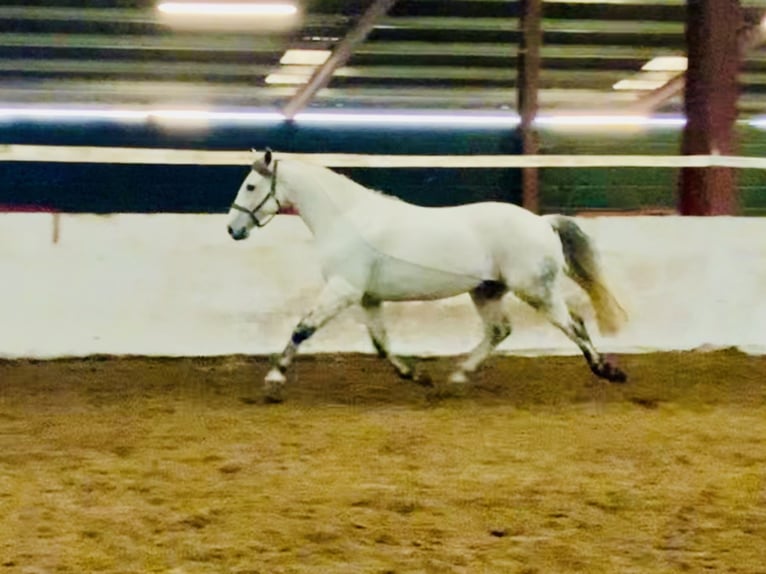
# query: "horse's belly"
397,280
400,263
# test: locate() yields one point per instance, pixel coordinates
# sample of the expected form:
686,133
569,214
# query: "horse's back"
479,241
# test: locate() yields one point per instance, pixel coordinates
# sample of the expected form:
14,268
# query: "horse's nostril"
231,231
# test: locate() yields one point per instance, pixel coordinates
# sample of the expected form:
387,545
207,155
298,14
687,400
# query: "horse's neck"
320,196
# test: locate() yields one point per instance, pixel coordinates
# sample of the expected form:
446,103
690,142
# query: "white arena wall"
177,285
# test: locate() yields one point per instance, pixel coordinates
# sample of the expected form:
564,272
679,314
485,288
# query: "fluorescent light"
72,114
666,64
481,119
412,118
609,120
103,114
195,116
415,119
639,84
226,9
305,57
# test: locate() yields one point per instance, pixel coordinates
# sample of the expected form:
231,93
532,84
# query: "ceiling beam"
136,68
477,23
377,10
750,38
509,24
204,94
129,91
124,15
148,15
142,42
655,98
570,52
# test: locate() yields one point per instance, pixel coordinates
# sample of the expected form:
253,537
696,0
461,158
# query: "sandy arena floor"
130,465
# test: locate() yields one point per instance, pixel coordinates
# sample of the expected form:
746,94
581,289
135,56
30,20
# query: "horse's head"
256,202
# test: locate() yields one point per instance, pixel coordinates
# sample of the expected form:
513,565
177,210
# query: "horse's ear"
267,156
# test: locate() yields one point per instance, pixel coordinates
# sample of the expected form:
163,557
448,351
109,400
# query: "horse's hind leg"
373,316
553,306
488,299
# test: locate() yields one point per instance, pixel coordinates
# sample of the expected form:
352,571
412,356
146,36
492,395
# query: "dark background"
105,188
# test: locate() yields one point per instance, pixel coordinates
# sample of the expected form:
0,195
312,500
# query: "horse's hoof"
613,374
407,375
275,376
617,376
405,368
273,398
458,378
274,385
609,372
453,391
423,379
456,386
273,393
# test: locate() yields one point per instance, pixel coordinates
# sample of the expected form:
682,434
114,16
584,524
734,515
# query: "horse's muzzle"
237,234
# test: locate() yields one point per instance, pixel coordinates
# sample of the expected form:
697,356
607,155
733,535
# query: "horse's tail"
583,267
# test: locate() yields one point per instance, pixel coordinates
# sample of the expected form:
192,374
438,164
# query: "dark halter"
270,195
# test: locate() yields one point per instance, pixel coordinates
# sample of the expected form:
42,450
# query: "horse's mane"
341,188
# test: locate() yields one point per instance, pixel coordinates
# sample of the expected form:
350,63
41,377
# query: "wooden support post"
56,230
710,103
528,70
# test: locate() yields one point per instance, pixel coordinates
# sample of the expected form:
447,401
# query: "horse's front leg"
335,297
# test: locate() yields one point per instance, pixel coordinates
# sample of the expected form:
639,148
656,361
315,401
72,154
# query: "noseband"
272,194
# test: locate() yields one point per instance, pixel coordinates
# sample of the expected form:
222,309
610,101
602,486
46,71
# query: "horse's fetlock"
302,332
499,333
379,348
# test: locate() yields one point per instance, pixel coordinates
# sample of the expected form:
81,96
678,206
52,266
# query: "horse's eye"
250,187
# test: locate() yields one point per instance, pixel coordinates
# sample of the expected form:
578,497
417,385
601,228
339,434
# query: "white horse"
376,248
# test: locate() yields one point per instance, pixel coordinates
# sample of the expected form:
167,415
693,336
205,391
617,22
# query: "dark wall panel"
100,188
140,188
